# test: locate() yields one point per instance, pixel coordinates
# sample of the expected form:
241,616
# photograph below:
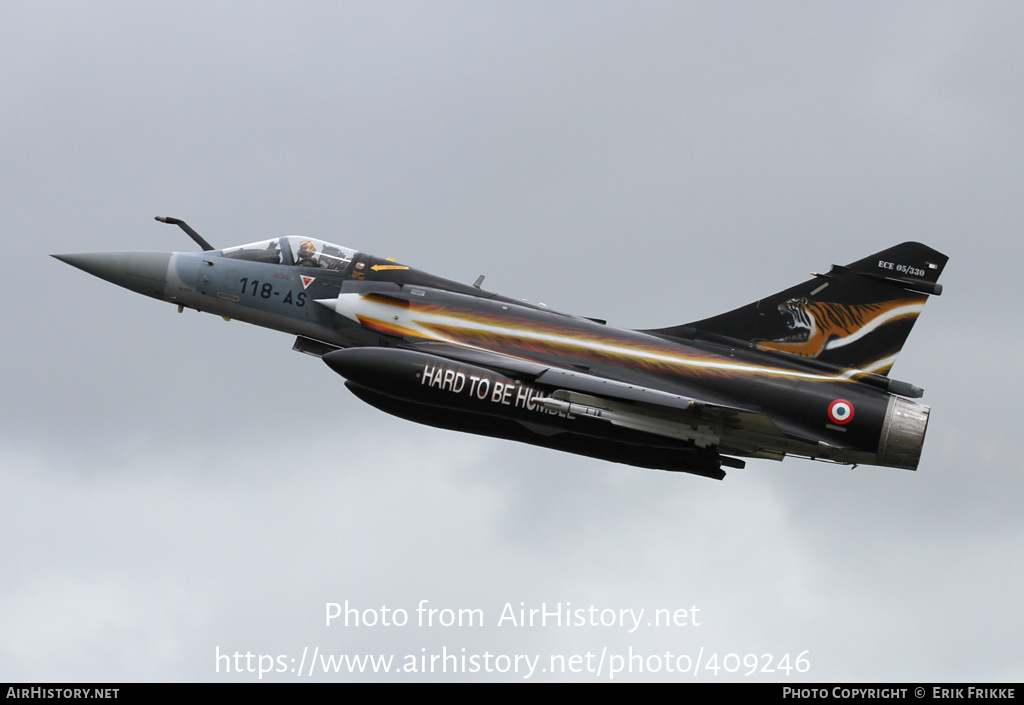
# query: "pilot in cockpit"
306,255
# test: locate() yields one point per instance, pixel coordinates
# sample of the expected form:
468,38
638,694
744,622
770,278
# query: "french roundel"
840,411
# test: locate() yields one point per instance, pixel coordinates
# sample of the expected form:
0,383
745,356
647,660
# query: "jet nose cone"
142,272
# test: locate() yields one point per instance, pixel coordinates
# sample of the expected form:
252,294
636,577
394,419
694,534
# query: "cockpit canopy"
307,252
295,251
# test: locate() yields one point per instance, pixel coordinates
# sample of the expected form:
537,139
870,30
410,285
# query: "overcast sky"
175,486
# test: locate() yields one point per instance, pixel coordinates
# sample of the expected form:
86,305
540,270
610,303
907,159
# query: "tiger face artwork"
818,326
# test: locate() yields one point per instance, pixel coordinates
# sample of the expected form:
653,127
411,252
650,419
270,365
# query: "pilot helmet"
306,249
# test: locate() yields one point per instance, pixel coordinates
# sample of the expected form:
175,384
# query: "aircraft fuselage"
455,356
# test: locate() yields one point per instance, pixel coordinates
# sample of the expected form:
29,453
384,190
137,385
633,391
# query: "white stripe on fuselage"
358,306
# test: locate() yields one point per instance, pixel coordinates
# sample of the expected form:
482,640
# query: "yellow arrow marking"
378,267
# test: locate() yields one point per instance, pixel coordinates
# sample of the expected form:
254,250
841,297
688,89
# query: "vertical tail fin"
857,316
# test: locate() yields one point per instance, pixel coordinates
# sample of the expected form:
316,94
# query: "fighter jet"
804,372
